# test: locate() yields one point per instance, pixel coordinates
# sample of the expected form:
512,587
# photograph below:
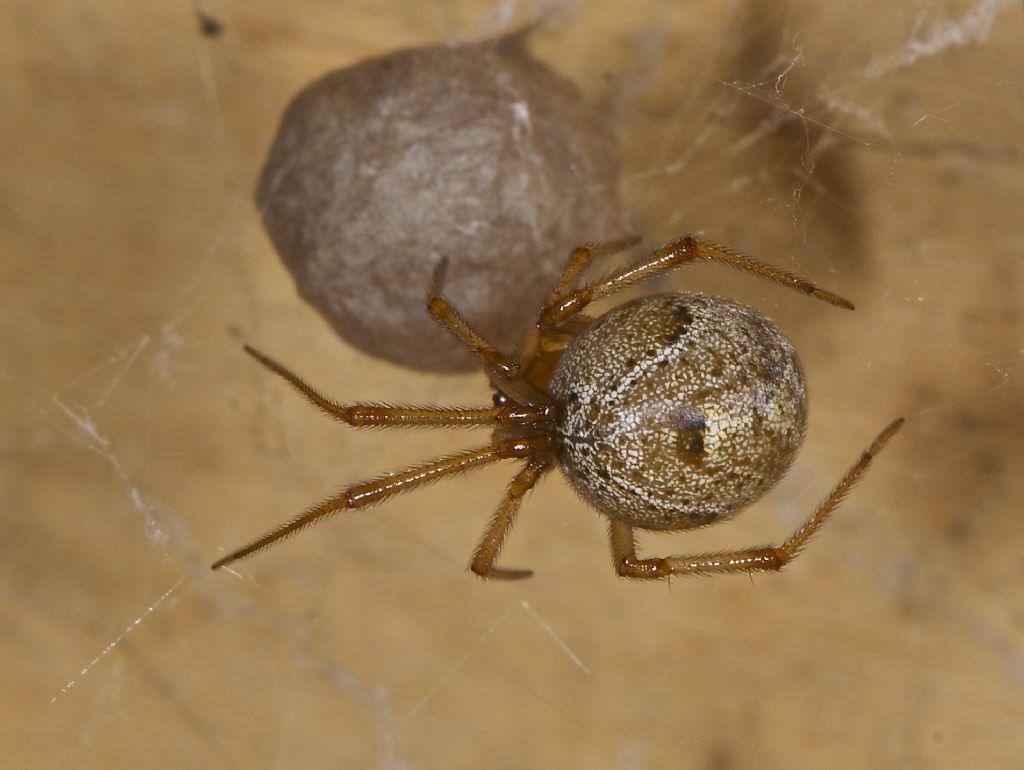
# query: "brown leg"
495,362
384,416
766,558
370,492
578,261
674,255
487,552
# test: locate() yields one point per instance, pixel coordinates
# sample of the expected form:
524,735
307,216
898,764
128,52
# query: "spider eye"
499,399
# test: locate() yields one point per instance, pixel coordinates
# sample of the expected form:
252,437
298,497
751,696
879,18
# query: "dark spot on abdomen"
684,316
689,439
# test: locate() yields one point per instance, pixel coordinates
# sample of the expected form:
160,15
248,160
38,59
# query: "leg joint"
643,568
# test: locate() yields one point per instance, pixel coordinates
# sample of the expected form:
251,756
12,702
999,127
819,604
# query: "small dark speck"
988,463
960,529
209,26
720,758
630,363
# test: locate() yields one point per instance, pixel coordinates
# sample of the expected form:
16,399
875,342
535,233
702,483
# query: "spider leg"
580,259
761,559
672,255
389,416
494,537
378,490
495,362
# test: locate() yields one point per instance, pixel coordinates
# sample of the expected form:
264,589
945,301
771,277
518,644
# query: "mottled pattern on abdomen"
677,410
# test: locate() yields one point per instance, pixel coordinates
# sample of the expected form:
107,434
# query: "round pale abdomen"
677,410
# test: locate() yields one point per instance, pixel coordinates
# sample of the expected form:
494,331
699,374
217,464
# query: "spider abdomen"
678,410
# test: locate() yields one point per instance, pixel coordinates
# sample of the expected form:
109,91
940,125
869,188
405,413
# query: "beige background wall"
876,148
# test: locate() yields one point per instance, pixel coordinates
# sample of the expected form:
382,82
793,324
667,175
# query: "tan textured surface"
138,441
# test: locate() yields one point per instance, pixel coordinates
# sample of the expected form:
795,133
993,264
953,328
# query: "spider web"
874,149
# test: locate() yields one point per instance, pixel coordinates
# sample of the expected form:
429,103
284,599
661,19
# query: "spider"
669,412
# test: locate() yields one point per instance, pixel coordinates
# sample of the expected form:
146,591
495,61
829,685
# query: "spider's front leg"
564,305
563,302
